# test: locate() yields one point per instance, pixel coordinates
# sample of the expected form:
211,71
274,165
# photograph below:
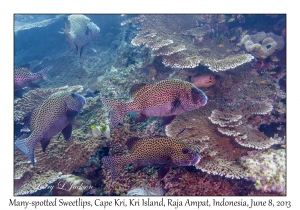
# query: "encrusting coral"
233,121
184,42
267,169
261,45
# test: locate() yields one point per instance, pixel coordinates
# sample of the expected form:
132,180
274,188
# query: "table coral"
219,154
185,41
233,121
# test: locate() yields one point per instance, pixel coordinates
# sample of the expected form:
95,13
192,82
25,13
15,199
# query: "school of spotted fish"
165,99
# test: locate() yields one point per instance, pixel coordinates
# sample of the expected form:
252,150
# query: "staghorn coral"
267,169
34,98
185,41
233,121
262,45
61,157
218,153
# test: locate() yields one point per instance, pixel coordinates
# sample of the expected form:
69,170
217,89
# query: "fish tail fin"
117,110
27,149
115,164
43,73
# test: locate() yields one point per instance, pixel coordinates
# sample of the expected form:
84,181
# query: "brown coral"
181,39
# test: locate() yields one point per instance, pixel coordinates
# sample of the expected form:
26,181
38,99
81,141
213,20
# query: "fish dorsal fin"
131,142
135,88
25,66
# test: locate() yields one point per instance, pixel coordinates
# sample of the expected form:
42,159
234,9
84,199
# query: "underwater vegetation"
173,104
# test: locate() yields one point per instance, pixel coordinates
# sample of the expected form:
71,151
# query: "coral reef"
218,153
233,121
61,157
267,169
262,45
185,41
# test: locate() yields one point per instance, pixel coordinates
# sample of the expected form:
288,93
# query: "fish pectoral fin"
175,104
45,142
167,120
81,50
140,118
163,171
71,114
87,31
67,131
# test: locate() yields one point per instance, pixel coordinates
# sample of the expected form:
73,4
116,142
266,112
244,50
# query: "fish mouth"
195,160
203,100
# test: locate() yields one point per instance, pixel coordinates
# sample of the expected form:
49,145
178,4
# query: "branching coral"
269,43
181,40
233,121
267,169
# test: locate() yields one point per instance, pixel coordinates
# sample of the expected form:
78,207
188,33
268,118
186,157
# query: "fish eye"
185,151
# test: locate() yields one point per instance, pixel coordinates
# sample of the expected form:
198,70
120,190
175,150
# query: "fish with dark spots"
24,78
167,98
54,115
79,31
164,152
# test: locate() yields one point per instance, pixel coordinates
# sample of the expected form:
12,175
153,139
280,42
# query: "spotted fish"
158,151
23,77
55,114
79,31
167,98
